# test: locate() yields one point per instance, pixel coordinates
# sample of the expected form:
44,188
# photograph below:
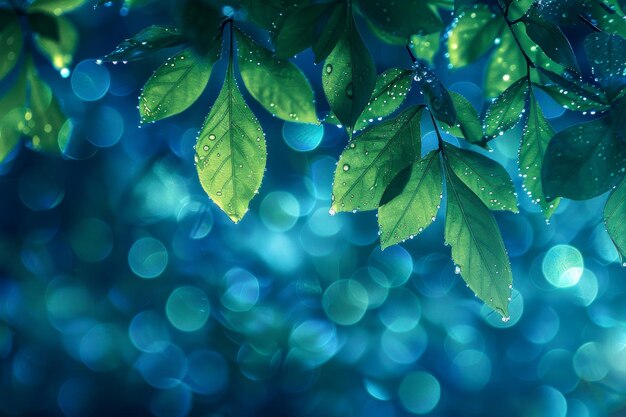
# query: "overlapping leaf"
615,216
507,110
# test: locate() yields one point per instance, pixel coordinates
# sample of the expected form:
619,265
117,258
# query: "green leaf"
176,84
473,34
437,97
614,215
573,94
535,140
150,40
395,23
60,53
10,41
55,7
372,160
477,246
485,177
507,110
269,14
416,207
44,117
425,47
583,161
231,151
389,93
298,32
278,85
200,23
349,76
607,56
330,35
551,39
468,124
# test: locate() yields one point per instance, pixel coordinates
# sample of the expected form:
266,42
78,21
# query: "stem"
529,62
588,23
408,49
439,138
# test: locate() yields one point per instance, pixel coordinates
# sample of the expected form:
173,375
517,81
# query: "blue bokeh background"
125,291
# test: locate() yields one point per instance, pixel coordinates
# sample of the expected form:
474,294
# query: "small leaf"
468,124
231,151
150,40
349,76
473,34
551,39
60,53
607,55
372,160
477,246
485,177
437,97
176,84
425,47
416,207
507,110
298,32
10,41
55,7
278,85
614,216
396,22
535,140
44,118
331,33
583,161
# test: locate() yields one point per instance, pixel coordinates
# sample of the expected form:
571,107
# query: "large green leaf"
150,40
473,34
583,161
372,160
416,207
607,55
395,23
437,97
60,52
277,84
349,76
231,151
176,84
615,218
55,7
298,32
44,118
468,124
389,93
507,109
535,140
485,177
10,41
477,246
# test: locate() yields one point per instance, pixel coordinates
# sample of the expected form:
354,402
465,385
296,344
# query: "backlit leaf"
468,124
60,53
176,84
607,56
277,84
425,46
372,160
507,110
150,40
55,7
231,151
477,246
416,207
473,34
614,218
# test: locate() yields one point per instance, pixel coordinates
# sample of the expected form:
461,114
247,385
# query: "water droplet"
329,68
346,167
211,136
